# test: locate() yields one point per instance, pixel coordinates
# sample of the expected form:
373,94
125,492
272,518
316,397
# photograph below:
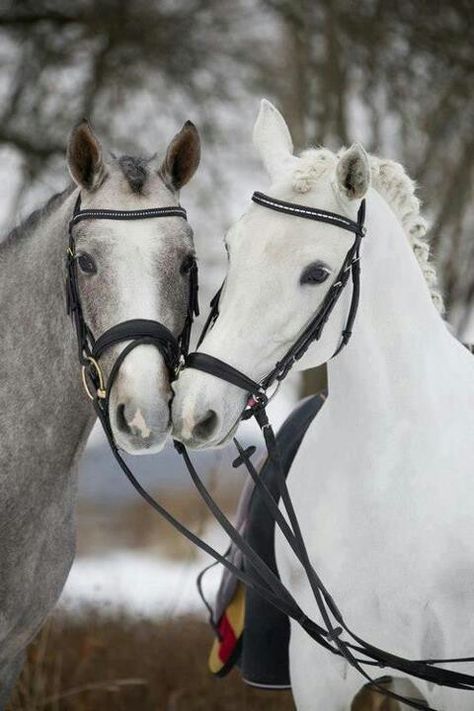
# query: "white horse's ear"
272,139
353,172
84,157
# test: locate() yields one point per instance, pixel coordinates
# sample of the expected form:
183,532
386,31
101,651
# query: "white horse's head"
134,270
280,269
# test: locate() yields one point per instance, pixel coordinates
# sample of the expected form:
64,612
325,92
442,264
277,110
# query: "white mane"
397,188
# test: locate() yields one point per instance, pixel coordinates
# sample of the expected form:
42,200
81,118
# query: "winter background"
394,76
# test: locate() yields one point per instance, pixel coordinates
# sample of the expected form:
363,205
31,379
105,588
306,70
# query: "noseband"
136,331
313,330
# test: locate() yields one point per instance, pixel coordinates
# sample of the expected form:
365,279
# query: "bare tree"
395,75
407,67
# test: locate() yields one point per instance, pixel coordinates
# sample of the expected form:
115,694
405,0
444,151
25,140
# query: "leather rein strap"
258,575
357,652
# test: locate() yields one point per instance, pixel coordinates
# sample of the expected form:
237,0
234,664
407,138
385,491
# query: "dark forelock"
135,170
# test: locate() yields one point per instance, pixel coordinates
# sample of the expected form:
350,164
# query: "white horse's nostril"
205,427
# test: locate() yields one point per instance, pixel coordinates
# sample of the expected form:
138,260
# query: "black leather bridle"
136,331
333,634
313,330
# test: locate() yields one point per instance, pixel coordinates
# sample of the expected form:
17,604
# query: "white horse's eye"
315,273
87,263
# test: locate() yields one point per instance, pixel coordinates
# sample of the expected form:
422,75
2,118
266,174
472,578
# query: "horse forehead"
266,234
155,243
144,268
116,193
270,224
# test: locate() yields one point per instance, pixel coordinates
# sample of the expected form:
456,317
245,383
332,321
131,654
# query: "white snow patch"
136,583
140,583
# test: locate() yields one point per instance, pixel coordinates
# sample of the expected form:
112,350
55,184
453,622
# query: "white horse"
383,483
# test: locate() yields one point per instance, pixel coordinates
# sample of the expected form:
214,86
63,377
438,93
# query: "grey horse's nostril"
206,426
122,423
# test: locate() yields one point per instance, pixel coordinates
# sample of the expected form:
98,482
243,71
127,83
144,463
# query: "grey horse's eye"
187,264
86,263
315,273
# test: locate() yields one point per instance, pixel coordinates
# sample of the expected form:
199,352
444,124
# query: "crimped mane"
396,187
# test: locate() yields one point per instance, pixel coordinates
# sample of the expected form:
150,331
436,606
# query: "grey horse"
126,270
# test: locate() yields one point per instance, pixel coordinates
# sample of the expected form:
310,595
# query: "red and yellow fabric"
226,647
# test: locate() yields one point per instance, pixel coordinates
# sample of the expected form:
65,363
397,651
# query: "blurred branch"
26,145
26,20
400,73
457,191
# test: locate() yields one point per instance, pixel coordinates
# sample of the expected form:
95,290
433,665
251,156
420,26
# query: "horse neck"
45,418
401,351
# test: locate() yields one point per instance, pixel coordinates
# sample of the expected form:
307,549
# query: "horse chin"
227,438
137,445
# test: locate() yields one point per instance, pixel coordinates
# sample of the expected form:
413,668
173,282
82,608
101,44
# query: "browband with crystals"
129,214
102,214
309,213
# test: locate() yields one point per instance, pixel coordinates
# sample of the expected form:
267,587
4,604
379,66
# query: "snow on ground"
140,583
136,583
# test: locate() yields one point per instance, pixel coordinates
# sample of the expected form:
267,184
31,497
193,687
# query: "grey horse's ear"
182,157
353,172
84,157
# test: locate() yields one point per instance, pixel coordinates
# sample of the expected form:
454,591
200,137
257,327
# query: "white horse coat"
383,483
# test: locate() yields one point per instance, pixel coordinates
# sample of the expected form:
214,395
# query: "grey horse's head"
134,270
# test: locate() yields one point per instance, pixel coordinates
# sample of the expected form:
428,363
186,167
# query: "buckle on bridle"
261,398
257,400
180,365
101,392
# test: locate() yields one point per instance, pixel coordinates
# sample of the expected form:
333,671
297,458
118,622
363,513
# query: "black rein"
259,577
357,652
